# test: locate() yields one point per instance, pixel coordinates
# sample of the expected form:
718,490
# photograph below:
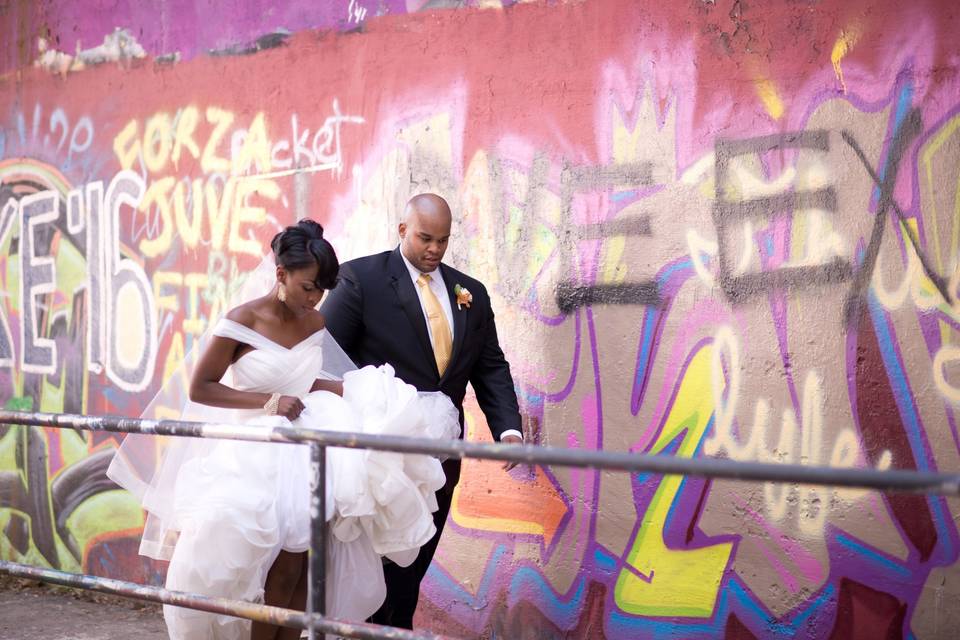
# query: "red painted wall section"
709,229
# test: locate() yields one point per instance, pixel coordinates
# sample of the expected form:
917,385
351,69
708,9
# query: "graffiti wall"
710,228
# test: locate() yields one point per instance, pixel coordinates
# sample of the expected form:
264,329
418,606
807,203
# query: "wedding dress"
222,510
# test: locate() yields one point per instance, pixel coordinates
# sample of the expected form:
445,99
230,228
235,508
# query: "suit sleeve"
343,310
493,384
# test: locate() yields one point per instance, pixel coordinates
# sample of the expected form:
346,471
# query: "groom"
435,326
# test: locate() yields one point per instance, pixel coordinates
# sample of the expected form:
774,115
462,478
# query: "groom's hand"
511,439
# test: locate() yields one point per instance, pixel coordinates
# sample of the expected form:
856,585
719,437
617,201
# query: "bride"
232,517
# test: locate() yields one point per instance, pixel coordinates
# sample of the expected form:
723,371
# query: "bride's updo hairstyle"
301,246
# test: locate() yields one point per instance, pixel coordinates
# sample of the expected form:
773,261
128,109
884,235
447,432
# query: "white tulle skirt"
240,503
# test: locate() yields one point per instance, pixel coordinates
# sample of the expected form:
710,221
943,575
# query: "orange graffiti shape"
491,499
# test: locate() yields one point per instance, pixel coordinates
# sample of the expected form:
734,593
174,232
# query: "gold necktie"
439,327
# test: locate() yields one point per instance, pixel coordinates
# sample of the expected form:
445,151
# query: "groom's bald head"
425,231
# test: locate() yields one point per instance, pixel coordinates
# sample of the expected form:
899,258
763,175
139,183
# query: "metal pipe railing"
313,619
249,610
317,567
889,480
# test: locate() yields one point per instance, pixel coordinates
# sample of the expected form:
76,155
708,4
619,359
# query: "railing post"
317,594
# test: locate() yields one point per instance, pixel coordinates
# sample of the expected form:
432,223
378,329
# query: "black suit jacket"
374,313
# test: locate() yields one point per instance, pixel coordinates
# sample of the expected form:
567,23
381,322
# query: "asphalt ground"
33,610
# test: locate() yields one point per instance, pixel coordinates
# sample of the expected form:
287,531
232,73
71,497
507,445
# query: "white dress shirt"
439,288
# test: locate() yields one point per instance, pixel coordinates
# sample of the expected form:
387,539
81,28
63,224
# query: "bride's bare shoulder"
245,314
316,320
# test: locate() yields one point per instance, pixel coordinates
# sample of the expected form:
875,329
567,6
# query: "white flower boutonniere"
464,297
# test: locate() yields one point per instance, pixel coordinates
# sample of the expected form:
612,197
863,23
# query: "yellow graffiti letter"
126,145
159,192
175,356
189,230
221,121
156,142
170,302
218,209
255,149
186,125
193,323
661,581
243,213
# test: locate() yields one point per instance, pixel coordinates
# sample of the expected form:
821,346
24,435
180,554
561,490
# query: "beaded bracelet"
272,405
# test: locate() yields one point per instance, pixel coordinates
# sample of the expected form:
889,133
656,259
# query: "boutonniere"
464,297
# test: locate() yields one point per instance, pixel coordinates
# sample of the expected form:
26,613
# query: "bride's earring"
282,293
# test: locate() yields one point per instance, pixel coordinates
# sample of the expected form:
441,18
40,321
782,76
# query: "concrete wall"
686,214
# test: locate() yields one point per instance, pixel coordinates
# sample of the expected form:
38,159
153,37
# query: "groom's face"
424,237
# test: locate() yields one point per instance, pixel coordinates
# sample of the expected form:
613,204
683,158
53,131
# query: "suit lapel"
407,295
459,316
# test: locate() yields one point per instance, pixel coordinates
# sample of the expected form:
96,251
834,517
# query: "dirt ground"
30,609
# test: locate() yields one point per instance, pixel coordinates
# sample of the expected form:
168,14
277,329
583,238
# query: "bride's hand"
333,386
289,407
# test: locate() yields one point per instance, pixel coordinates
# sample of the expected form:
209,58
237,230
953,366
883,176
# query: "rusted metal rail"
238,608
892,480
